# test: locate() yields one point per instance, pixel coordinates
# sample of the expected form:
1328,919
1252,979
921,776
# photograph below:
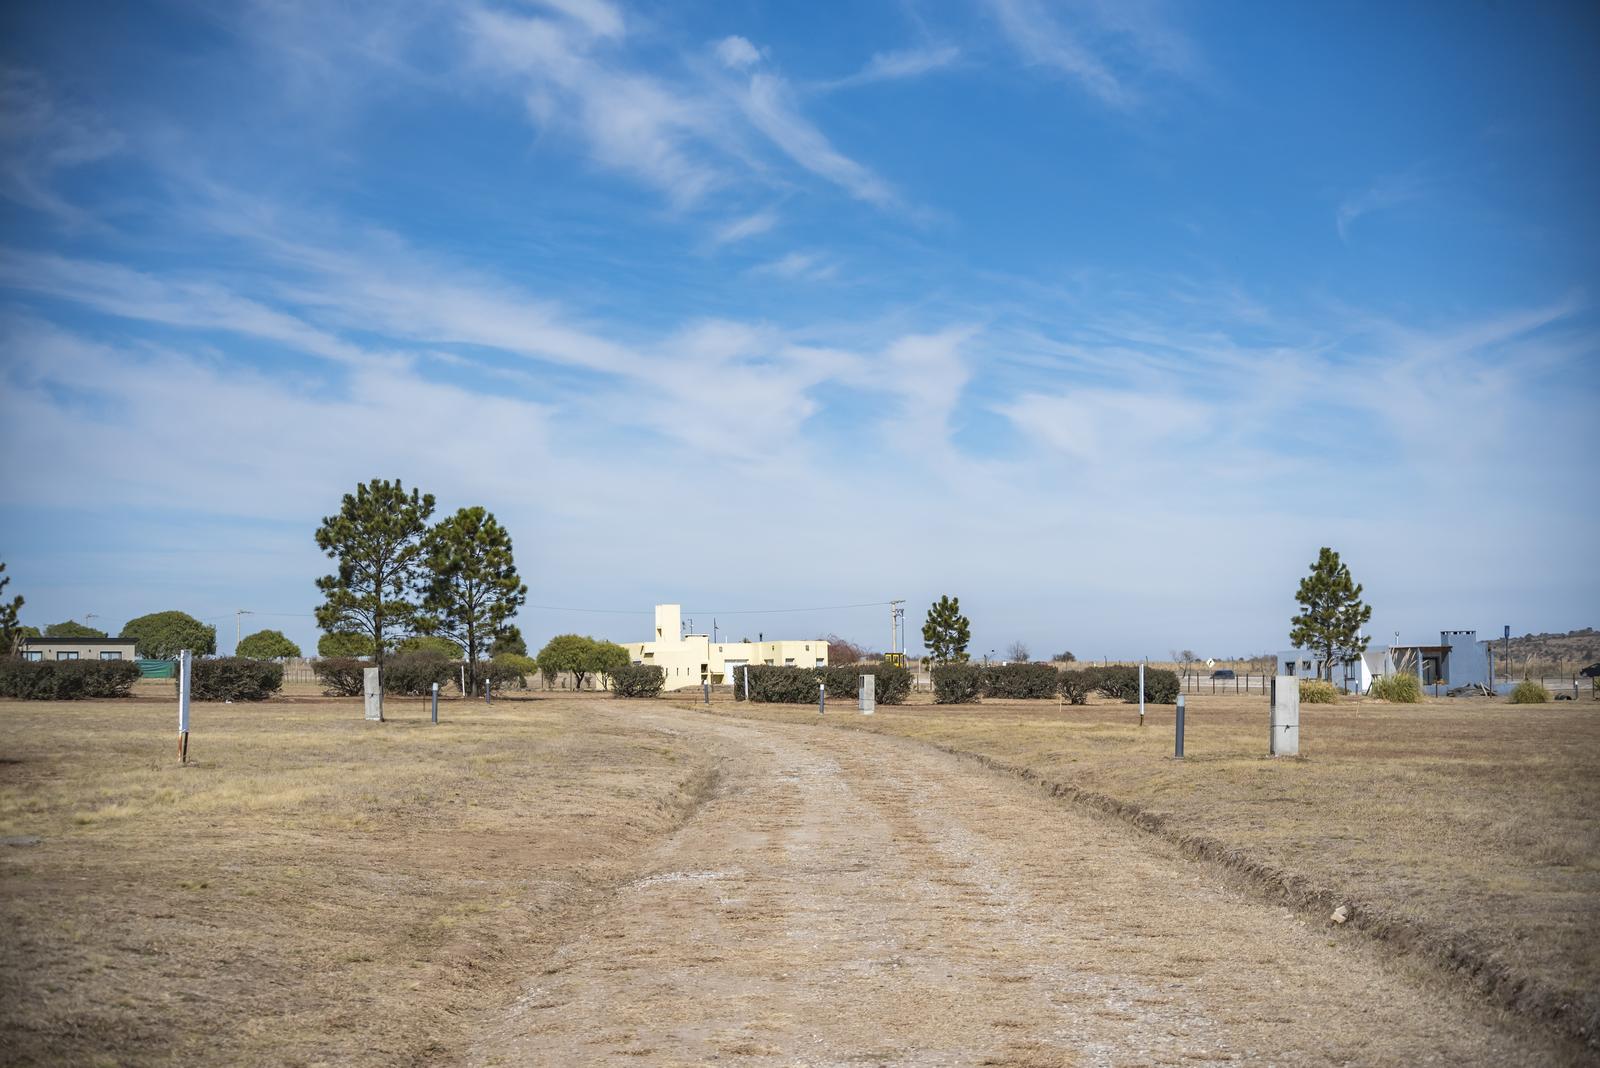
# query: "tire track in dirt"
846,899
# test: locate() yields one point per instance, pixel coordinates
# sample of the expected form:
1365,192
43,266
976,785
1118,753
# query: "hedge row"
66,680
1020,681
234,678
771,684
958,684
638,680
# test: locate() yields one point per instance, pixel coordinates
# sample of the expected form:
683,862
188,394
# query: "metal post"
463,680
1178,751
436,702
1141,693
747,680
486,698
706,685
822,698
185,662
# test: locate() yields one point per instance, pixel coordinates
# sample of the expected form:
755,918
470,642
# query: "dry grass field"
1466,830
312,888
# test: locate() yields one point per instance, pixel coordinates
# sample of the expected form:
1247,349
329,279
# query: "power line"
779,611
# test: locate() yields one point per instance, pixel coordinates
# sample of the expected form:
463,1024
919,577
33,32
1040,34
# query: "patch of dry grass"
1475,820
312,887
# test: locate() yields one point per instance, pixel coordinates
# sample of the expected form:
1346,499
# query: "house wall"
87,649
693,658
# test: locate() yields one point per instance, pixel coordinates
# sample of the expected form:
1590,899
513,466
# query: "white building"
1352,673
690,659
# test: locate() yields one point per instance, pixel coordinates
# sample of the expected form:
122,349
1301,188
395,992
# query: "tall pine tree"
1332,613
472,587
946,631
377,540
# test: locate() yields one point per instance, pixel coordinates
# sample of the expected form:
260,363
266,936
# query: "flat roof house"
77,649
690,659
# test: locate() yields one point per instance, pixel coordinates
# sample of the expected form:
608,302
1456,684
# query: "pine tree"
377,540
946,631
472,588
1332,612
9,631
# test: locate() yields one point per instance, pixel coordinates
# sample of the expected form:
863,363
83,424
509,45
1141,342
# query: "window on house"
110,654
33,654
788,661
64,655
819,661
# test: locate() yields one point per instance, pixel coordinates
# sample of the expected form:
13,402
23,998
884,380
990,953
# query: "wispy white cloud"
768,103
1106,46
1379,196
40,137
736,53
795,266
898,65
746,226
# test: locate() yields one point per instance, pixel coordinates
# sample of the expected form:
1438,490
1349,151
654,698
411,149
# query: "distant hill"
1562,653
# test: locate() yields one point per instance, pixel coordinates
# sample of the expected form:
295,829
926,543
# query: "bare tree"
841,651
1017,652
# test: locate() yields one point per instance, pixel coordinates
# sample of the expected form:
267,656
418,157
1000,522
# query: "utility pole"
897,626
238,627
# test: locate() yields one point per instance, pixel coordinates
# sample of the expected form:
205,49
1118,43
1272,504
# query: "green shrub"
341,675
163,635
413,674
1020,681
512,671
890,685
1317,692
1121,682
957,684
638,680
1401,687
66,680
266,645
344,646
234,678
429,643
770,684
1528,692
1076,686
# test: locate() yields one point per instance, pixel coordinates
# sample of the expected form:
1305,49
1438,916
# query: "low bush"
66,680
770,684
413,674
638,680
1528,692
957,684
234,678
341,675
512,671
1402,688
1076,686
1317,692
890,684
1020,681
1121,682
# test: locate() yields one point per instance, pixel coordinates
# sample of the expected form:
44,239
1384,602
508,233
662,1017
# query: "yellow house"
689,659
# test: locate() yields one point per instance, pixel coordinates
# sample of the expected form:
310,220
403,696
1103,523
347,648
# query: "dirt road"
845,899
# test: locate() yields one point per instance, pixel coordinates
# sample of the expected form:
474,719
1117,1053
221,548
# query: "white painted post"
1141,693
747,682
867,700
185,664
372,694
1285,724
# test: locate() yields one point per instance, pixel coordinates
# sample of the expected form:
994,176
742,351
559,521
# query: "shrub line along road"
843,898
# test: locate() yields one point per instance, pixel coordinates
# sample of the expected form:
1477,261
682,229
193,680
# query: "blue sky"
1102,316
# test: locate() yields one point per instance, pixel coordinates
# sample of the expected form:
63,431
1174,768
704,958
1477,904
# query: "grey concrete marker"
868,698
1285,739
372,693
